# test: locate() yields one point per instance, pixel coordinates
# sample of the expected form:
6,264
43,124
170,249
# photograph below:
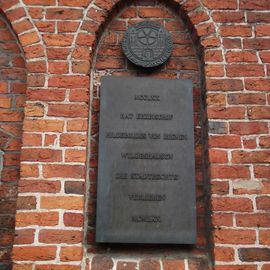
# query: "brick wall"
183,64
12,97
227,55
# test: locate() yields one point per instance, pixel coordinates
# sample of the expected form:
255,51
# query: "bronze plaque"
146,186
147,44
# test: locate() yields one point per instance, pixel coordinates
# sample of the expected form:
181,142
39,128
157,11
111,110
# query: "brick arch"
28,35
12,99
99,12
101,65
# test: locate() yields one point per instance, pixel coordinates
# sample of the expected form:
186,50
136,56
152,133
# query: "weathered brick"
254,254
38,253
60,236
62,202
24,219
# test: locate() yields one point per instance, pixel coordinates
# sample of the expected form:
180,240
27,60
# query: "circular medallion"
147,44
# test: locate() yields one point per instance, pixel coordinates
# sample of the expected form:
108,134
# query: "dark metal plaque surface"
146,186
147,44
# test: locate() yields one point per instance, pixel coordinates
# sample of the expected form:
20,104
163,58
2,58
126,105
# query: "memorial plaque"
146,185
147,44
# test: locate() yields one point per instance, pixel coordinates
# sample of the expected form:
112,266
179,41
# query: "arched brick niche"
185,63
12,98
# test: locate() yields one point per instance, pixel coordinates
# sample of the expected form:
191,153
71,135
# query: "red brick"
86,40
67,27
73,139
222,219
262,30
74,3
68,110
173,264
69,81
37,253
152,12
57,266
41,155
257,85
46,27
264,237
229,4
224,85
64,171
16,14
254,254
58,67
62,40
5,102
73,220
46,95
111,63
262,172
43,125
71,254
228,17
224,254
29,38
232,204
225,141
22,267
214,70
261,17
42,186
262,112
77,125
62,202
244,56
130,12
74,187
265,57
242,70
254,5
26,202
230,172
216,99
236,99
248,128
263,203
233,236
253,220
220,188
236,30
58,53
79,95
60,236
102,262
82,67
245,157
40,2
256,43
236,267
24,219
29,170
212,55
226,113
265,141
24,236
75,155
218,156
63,14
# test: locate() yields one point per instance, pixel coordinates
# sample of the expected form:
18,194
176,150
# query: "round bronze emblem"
147,44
